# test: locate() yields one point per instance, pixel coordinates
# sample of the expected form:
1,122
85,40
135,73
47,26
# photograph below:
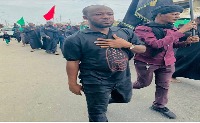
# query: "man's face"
59,25
101,17
30,24
50,23
170,17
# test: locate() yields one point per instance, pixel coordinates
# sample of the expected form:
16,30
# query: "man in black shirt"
104,70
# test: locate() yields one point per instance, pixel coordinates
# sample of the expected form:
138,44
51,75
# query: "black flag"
140,12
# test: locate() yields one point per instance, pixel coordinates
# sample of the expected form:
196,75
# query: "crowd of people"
41,37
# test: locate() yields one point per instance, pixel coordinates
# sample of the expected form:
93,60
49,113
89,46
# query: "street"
33,88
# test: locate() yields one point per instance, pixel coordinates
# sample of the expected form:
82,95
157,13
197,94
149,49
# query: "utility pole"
70,21
6,23
57,20
192,15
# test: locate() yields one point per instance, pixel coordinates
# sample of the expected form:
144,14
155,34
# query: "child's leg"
7,41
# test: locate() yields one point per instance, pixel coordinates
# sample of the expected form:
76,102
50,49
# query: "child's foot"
32,50
7,44
23,45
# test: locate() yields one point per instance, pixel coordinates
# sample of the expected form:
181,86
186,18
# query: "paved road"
33,87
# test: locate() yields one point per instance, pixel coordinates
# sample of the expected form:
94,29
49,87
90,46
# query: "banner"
139,12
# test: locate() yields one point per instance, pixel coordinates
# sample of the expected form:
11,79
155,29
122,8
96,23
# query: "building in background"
185,3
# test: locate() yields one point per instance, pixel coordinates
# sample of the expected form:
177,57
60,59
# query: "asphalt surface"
33,88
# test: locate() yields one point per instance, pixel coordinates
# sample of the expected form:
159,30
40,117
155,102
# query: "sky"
66,10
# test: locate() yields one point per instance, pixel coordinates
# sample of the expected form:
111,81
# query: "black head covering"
166,9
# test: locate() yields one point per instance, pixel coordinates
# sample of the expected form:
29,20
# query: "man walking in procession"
50,33
33,37
104,70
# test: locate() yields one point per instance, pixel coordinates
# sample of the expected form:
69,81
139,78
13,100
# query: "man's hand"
76,89
72,73
188,26
114,43
48,37
192,39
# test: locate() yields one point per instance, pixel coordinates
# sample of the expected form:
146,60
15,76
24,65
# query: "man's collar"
113,29
89,31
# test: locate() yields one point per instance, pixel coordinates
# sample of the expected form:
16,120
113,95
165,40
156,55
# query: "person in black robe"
61,33
51,34
17,35
33,37
188,59
71,31
43,38
26,38
23,35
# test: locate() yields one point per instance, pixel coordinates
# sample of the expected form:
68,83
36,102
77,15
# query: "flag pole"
54,12
192,15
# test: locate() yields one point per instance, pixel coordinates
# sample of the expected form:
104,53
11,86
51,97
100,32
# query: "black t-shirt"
100,63
6,36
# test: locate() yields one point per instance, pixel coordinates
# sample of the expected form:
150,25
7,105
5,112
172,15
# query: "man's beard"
99,25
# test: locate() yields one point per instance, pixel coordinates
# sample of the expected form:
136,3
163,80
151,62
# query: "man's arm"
120,43
72,73
42,34
52,29
146,34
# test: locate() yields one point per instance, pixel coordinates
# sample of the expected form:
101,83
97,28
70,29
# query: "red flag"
50,14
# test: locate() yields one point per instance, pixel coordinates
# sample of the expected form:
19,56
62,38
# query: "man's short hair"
86,9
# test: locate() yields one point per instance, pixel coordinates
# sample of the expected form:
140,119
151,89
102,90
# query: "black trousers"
97,97
51,45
